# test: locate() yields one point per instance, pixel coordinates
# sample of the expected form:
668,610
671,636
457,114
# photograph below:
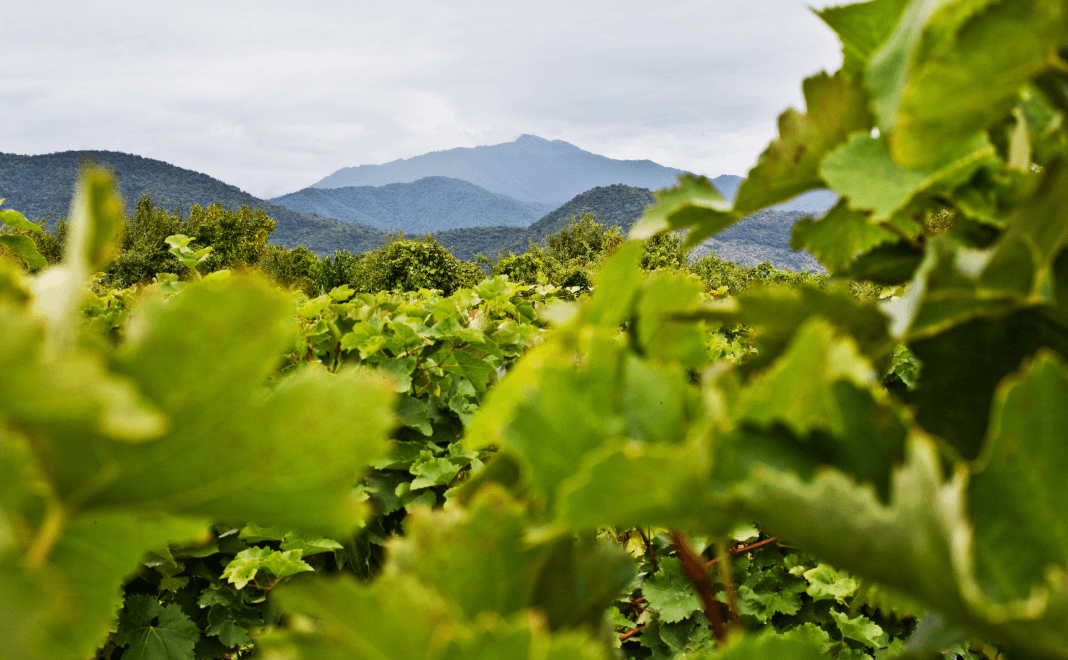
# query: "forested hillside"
430,204
43,185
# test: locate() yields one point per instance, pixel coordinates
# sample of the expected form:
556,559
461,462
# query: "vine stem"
747,548
631,633
697,573
727,580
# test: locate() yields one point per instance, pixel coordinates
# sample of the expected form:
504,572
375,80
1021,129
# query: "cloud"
272,96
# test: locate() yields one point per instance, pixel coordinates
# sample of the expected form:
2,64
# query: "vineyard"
589,452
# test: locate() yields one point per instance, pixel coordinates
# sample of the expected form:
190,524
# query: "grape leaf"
243,567
692,202
825,583
860,628
862,170
862,27
434,472
155,632
839,236
1021,469
23,247
970,81
836,107
670,593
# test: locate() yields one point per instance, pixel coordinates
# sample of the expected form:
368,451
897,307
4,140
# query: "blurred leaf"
862,170
862,27
1018,496
968,79
692,203
836,107
24,248
839,236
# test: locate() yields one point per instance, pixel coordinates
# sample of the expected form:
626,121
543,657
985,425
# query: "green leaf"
155,632
64,610
966,80
222,623
836,107
435,472
308,546
670,593
243,567
815,360
660,332
395,618
1019,497
444,548
862,170
862,27
580,579
414,413
769,647
839,236
825,583
889,66
963,366
285,459
24,248
692,202
476,370
616,287
860,628
16,220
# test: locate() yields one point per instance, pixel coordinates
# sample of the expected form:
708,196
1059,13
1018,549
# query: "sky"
273,96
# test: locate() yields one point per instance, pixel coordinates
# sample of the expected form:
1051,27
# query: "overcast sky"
273,96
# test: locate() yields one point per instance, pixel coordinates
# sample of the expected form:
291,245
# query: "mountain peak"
530,169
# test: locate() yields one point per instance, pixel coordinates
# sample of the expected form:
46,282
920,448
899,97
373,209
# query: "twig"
631,633
745,549
727,580
697,573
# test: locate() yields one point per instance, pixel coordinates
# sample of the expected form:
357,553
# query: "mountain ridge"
530,169
429,204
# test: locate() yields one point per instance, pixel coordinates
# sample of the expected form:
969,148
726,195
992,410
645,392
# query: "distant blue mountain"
531,169
430,204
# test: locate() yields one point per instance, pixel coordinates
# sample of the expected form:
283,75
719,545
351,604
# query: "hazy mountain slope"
42,185
763,236
430,204
530,169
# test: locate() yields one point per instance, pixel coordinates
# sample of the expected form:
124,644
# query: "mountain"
531,169
430,204
43,185
617,205
763,236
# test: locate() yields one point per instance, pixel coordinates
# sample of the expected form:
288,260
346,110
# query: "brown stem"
745,549
727,580
631,633
698,575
